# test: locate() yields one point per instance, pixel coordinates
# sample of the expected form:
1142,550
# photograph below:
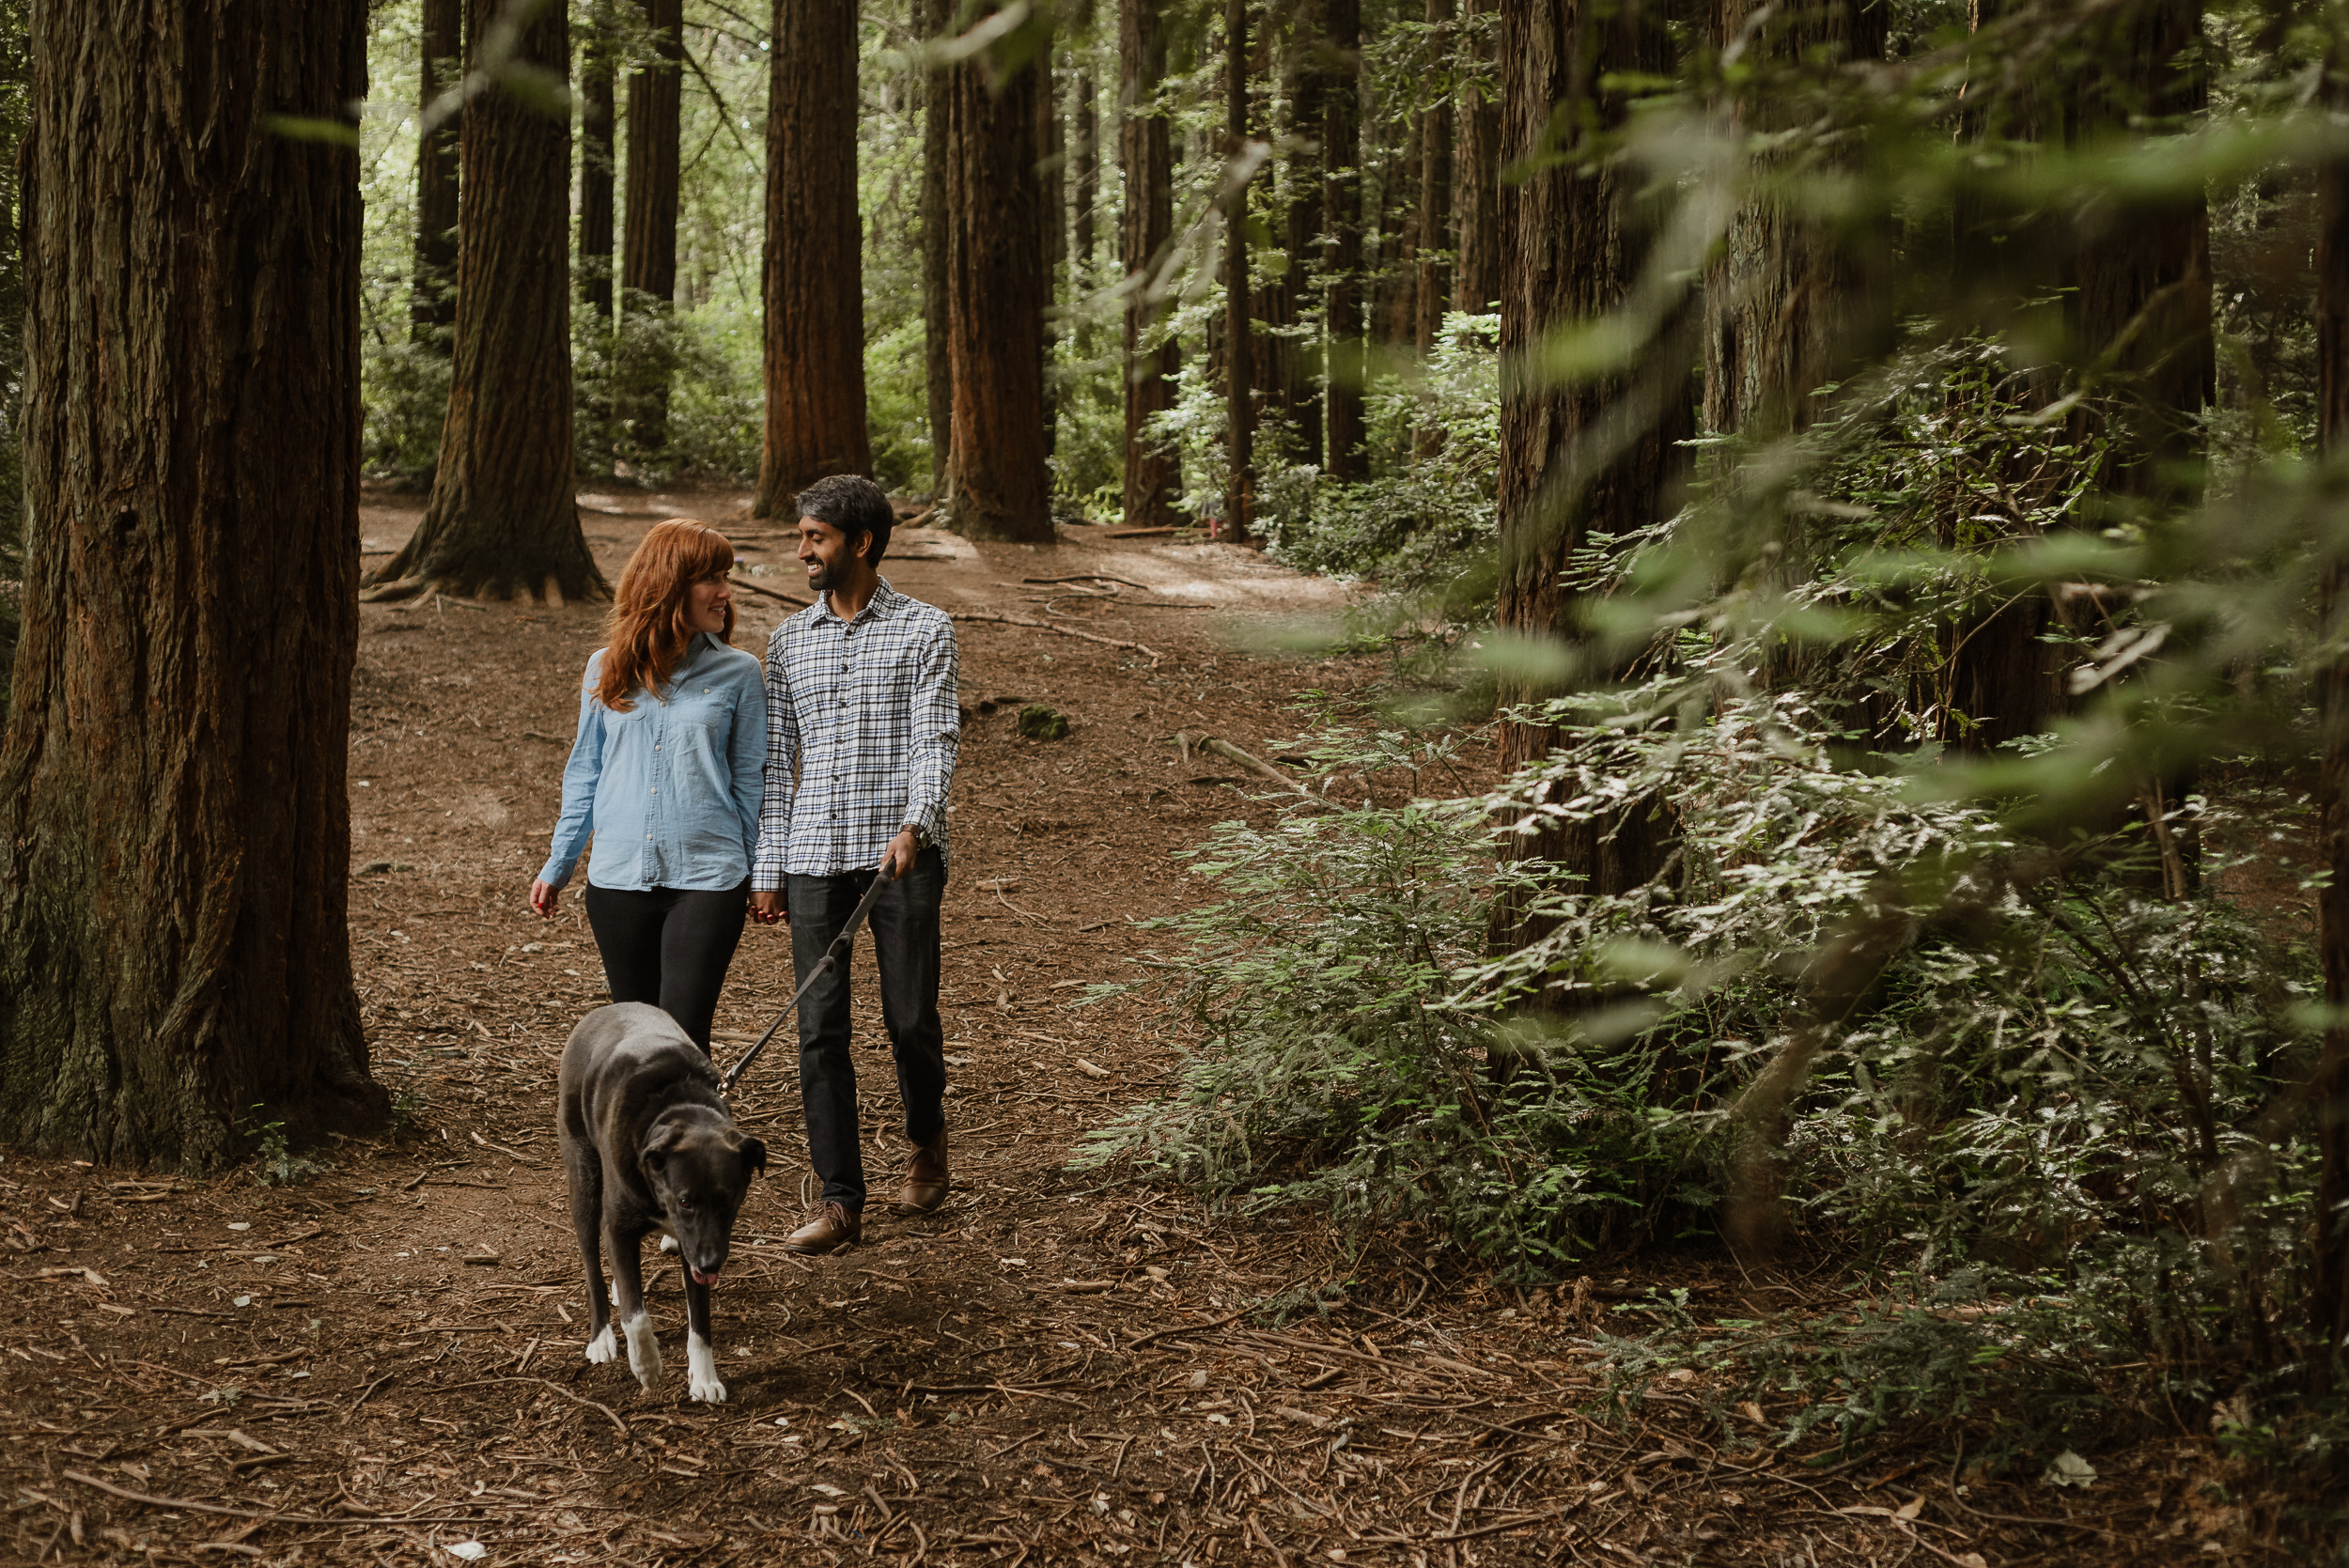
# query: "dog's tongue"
702,1278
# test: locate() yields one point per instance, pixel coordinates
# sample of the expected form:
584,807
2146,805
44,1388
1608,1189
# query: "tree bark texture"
648,248
997,286
1785,299
1086,165
1435,192
432,301
2330,1323
504,517
1342,201
2141,309
174,858
1298,362
813,283
1596,455
1395,302
1476,271
1053,216
1240,397
938,22
596,106
1145,229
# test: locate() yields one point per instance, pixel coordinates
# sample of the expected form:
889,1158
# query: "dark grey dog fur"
649,1145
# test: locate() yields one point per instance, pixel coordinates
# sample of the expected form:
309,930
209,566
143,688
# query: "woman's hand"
542,899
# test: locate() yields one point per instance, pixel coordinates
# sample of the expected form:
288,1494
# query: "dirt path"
382,1364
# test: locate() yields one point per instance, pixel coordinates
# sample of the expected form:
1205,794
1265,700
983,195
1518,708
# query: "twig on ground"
1247,759
1063,631
768,592
557,1388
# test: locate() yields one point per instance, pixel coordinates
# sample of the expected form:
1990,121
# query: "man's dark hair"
854,505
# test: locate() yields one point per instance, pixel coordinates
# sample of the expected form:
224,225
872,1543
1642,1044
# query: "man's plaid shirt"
864,712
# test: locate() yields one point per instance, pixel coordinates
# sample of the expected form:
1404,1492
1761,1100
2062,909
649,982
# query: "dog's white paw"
602,1348
702,1362
644,1351
668,1243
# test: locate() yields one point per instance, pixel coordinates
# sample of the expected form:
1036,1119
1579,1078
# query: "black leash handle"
835,957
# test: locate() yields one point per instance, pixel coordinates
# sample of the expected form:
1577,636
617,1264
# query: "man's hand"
769,908
542,899
899,856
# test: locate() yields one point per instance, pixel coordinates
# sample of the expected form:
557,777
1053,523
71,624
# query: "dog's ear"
753,1154
663,1138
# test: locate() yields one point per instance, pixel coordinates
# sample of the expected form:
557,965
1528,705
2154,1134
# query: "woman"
668,773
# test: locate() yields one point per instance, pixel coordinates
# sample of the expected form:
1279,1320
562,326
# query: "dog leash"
835,957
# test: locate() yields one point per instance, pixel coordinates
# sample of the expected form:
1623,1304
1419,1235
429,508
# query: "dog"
649,1145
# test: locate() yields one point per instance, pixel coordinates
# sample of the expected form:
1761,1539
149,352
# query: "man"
860,707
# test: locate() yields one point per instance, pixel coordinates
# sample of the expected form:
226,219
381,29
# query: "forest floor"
382,1363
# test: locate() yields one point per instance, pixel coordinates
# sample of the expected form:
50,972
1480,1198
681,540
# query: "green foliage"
275,1164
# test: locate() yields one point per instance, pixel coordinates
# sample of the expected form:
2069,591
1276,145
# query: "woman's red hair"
648,629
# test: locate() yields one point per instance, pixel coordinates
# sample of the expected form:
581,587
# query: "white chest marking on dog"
702,1362
644,1351
602,1348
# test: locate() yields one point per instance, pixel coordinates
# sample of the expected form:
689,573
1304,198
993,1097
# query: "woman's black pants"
670,947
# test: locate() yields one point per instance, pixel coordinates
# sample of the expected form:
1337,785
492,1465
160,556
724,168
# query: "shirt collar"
882,605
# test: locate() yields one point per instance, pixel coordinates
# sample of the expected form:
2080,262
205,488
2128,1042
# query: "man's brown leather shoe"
829,1227
926,1180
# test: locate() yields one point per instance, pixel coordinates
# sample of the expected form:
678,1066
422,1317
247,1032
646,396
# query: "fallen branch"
151,1501
1246,759
1137,533
557,1388
1063,631
1091,577
769,592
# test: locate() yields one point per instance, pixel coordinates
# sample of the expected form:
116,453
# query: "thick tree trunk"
432,302
1395,308
504,517
814,283
1053,218
938,22
1476,273
1786,292
1572,244
1342,199
1240,398
1435,192
1296,387
175,960
649,249
996,284
1086,165
2329,1324
595,174
1145,229
1434,216
2141,303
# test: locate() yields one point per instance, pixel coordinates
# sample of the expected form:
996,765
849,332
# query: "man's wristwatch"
921,836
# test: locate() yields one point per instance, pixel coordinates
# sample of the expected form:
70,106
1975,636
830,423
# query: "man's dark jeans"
904,924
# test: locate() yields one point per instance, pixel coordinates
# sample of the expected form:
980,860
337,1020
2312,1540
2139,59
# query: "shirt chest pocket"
701,708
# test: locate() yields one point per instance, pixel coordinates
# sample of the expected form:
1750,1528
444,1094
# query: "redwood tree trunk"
2330,1316
1435,192
938,22
1300,365
1572,244
504,517
1342,199
595,174
1785,293
1476,273
1145,152
1394,309
432,302
649,249
996,288
1086,165
174,848
1239,488
814,283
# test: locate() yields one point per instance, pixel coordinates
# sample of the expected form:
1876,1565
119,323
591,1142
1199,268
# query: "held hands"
769,908
542,899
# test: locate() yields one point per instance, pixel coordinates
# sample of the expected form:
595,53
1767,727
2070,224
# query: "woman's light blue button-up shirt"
670,789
